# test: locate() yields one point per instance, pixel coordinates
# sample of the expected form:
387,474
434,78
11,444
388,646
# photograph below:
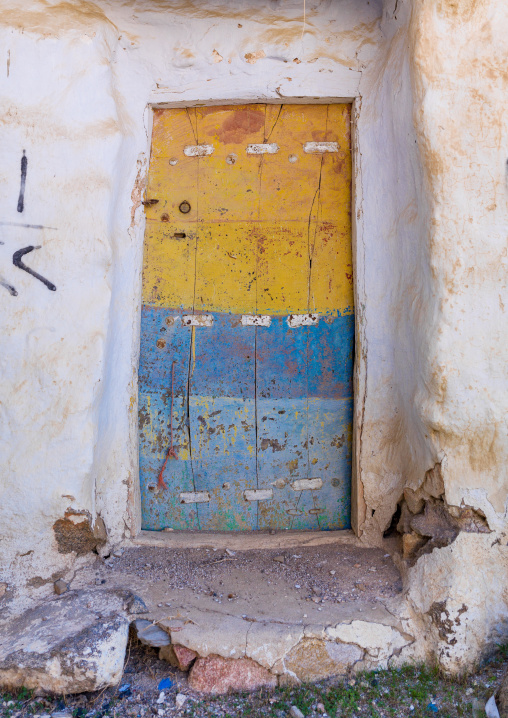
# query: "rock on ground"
217,675
502,697
71,643
314,660
178,656
150,634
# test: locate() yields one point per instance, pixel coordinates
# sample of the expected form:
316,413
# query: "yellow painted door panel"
169,264
331,288
226,267
283,268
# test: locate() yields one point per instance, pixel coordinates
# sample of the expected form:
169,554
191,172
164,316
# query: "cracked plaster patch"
268,643
378,640
222,635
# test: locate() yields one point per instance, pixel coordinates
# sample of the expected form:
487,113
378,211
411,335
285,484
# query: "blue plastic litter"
433,707
165,683
123,689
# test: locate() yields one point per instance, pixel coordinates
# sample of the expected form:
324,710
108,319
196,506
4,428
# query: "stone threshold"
243,541
261,623
223,651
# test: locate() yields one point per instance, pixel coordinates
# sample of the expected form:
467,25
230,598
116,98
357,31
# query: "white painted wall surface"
76,82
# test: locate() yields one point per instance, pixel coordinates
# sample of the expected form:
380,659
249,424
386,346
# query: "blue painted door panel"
254,408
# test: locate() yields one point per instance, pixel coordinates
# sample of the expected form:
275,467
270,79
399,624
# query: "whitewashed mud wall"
431,237
459,55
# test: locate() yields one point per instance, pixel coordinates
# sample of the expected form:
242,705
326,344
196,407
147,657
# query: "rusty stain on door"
247,329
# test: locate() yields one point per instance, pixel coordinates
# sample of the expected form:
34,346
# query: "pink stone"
184,656
217,675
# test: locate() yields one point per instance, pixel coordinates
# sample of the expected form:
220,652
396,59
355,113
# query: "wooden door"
247,327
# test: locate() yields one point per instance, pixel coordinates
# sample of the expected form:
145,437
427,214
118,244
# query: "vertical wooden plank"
169,265
221,413
229,178
164,341
331,349
222,422
287,206
282,419
168,285
226,267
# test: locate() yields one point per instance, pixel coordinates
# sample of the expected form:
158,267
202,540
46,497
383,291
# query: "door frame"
358,505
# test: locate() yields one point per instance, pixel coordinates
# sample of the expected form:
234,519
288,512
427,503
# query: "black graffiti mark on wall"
21,200
26,226
16,260
12,290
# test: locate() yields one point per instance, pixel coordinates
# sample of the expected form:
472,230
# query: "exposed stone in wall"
75,533
367,637
427,522
502,697
178,656
38,581
217,675
314,660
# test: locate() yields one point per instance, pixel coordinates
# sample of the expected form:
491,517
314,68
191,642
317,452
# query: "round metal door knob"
184,207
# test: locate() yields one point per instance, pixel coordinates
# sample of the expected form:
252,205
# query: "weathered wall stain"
47,19
39,581
440,616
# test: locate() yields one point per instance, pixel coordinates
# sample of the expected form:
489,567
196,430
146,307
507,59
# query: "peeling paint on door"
247,292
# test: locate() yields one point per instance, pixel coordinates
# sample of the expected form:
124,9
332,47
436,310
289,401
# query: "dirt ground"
325,573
